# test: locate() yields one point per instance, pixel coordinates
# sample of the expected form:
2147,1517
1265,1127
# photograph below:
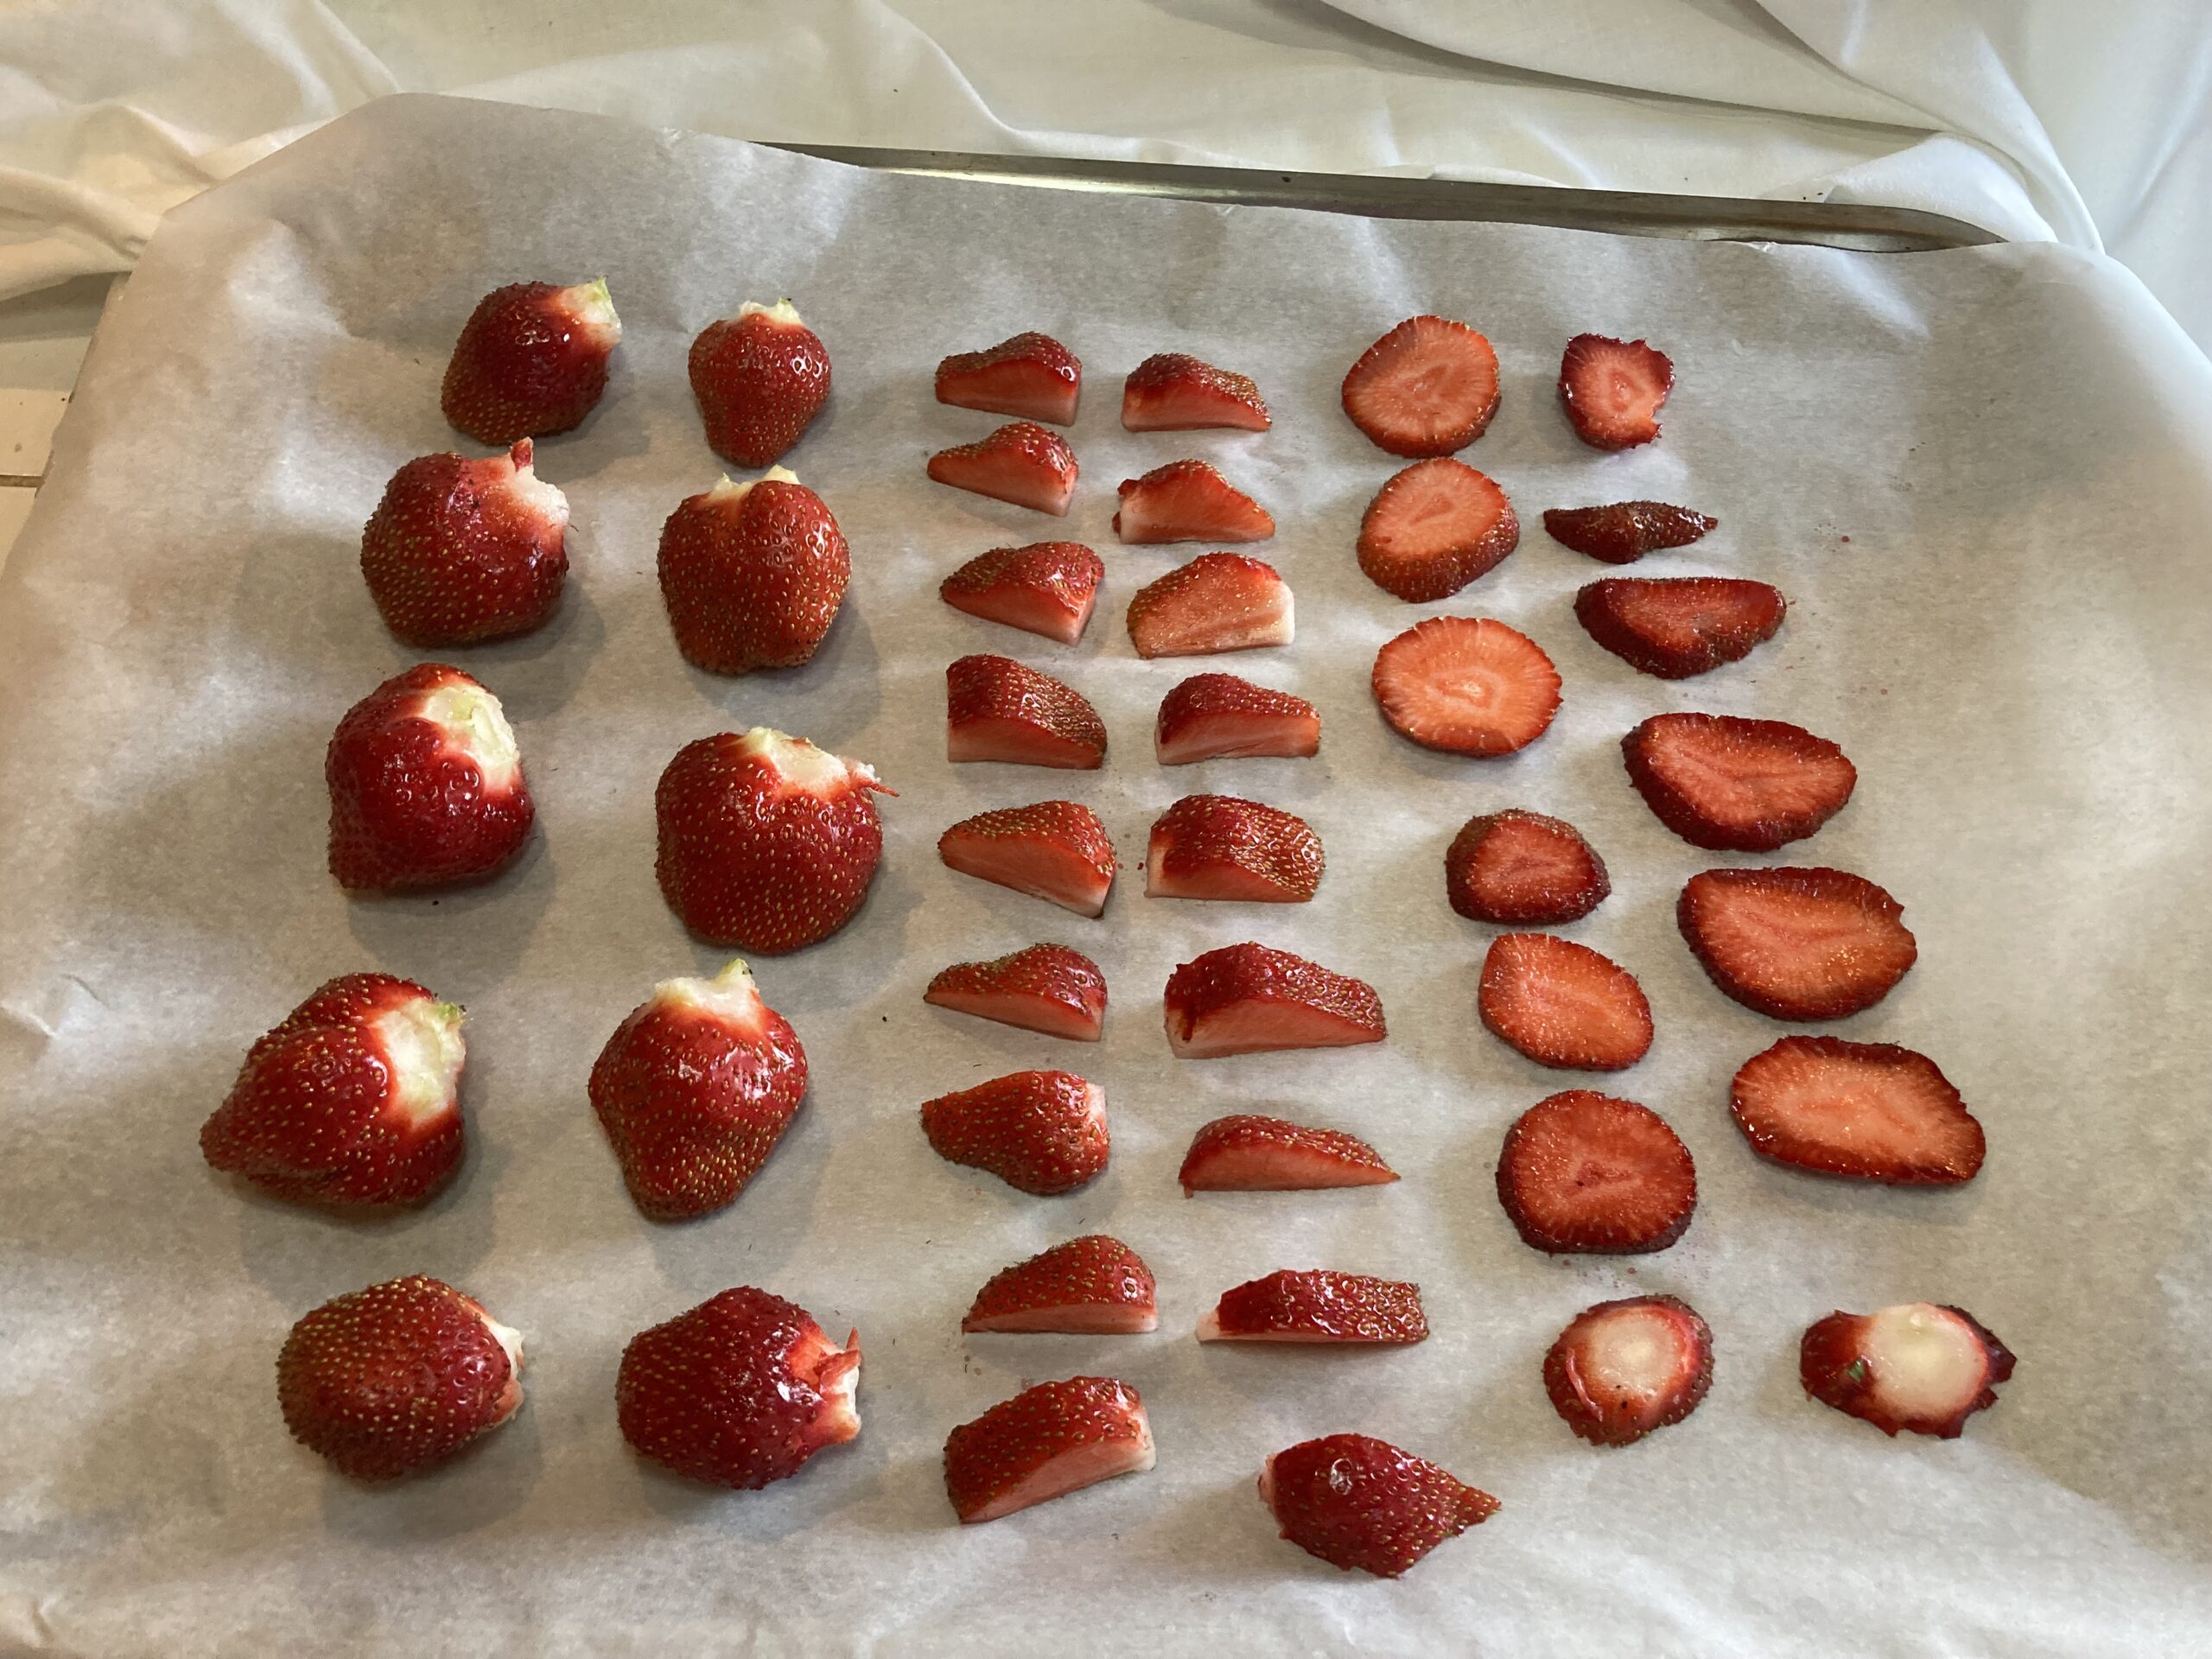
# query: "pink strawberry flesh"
1354,1501
1219,716
753,573
1217,602
1246,1152
1522,869
999,709
1434,528
1317,1306
1466,685
1679,625
1175,392
1031,375
1562,1004
760,379
1623,1368
1221,847
460,551
1918,1367
1055,850
532,360
1188,501
1583,1172
1046,987
1047,588
1797,943
1243,999
1723,782
1865,1111
1613,390
1046,1442
1621,533
1093,1285
1043,1133
1022,462
1427,387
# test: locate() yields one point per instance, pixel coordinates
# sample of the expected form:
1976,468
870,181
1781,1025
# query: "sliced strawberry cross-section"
1221,847
1562,1004
1246,1152
1623,1368
1173,391
1467,685
1679,627
1046,1442
1220,716
1866,1111
1046,987
1435,528
1031,375
1093,1285
1427,387
1919,1367
1621,533
1723,782
1797,943
1218,602
1047,588
1243,999
1188,501
1613,390
1040,1132
1522,869
999,709
1583,1172
1056,850
1354,1501
1022,462
1316,1306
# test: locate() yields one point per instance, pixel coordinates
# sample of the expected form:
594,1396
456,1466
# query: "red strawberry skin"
1031,375
1583,1172
1043,1133
1623,1368
1682,625
1358,1501
999,709
1223,847
459,551
1021,463
1173,391
1054,850
532,360
1841,1362
1621,533
1797,943
760,378
1245,999
1562,1004
1728,784
752,574
1090,1286
1613,390
1317,1306
1434,528
1427,387
1247,1152
1865,1111
1522,869
1047,588
1045,1441
1220,716
1046,987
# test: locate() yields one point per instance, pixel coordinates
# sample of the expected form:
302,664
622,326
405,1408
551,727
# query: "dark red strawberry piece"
1681,626
1220,847
1219,716
1467,685
1248,1154
1032,376
1917,1366
753,573
1866,1111
1623,532
1613,390
1047,588
1522,869
1218,602
459,551
532,360
1583,1172
999,709
1427,387
1435,528
1046,987
1563,1005
1358,1501
1175,392
1188,501
1797,943
760,378
1093,1285
1243,999
1022,462
1046,1442
1056,850
1740,786
1040,1132
1317,1306
1621,1370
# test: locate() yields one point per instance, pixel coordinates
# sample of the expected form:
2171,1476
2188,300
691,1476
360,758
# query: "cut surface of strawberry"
1046,1442
1467,685
1093,1285
1562,1004
1047,588
460,551
760,378
1522,869
1613,390
1427,387
1243,999
1022,462
1354,1501
1040,1132
1728,784
1918,1367
532,360
1797,943
1031,375
1173,391
999,709
753,573
1679,627
1222,717
1246,1152
1218,602
1055,850
1188,501
1044,988
1317,1306
1621,533
1622,1368
1222,847
1586,1173
1866,1111
1435,528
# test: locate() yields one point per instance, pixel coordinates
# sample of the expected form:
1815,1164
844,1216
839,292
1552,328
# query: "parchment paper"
1983,479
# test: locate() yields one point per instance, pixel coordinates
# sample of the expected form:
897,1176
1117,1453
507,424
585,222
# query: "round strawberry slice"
1358,1501
1433,529
1797,943
1427,387
1093,1285
460,551
1467,685
1583,1172
1562,1004
1918,1367
1522,869
532,360
1678,627
1046,1442
753,573
1738,785
760,378
1613,389
1623,1368
1867,1111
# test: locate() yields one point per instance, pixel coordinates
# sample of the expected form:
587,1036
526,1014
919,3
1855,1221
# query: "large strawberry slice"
1427,387
1315,1307
1040,1132
1056,850
1797,943
1046,987
1613,390
1522,869
1679,625
1093,1285
1031,375
1188,501
1021,463
1047,588
1246,1152
1218,602
1358,1501
1173,391
1435,528
1741,785
1867,1111
1244,999
531,359
760,378
1563,1005
753,573
1219,716
1583,1172
1621,533
1046,1442
1221,847
459,551
1467,685
1621,1370
1919,1367
996,708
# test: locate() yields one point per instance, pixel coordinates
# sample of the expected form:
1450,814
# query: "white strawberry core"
475,723
728,492
1926,1362
593,309
783,311
529,496
798,765
1637,1354
422,1054
730,997
840,1415
1209,1326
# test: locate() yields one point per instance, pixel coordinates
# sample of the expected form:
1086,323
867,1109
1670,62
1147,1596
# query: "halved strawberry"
1613,390
1867,1111
1221,847
1047,588
459,551
1522,869
1173,391
999,709
1435,528
1219,716
1243,999
1021,463
1797,943
1040,1132
1093,1285
1623,532
1030,375
1467,685
1679,625
1046,987
760,378
1053,849
1245,1153
1358,1501
1583,1172
1046,1442
753,573
1316,1306
1917,1366
532,360
1563,1005
1218,602
1427,387
1188,501
1740,786
1621,1370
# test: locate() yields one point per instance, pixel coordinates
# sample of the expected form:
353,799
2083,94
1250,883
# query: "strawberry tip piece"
1046,1442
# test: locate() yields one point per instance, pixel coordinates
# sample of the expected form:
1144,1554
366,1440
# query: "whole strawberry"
759,376
753,573
531,359
353,1099
461,550
766,842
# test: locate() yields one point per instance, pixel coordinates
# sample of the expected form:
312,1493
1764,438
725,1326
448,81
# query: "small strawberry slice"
1046,987
1040,1132
1218,602
1031,375
1562,1005
1522,869
1047,588
1358,1501
1056,850
1219,716
1188,501
1681,626
1867,1111
1797,943
1613,390
531,361
1917,1366
1623,532
1173,391
760,378
1093,1285
459,551
1583,1172
1427,387
1723,782
1047,1441
1316,1306
1433,529
996,708
1221,847
1246,1152
753,573
1621,1370
1467,685
1244,999
1021,463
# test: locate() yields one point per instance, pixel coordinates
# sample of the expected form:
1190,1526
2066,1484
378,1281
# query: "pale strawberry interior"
525,496
1926,1362
798,765
423,1052
1077,1319
836,1372
783,311
730,997
511,1340
1224,617
1026,1009
1281,1169
473,722
1037,868
1796,941
1634,1354
1209,1330
728,492
1079,1466
1744,781
1219,879
1258,1023
593,309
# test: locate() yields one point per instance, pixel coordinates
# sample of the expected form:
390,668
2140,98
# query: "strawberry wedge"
1093,1285
1021,463
1047,588
1245,999
1246,1152
1220,716
1055,850
999,709
1188,501
1317,1306
1031,376
1176,392
1356,1502
1220,847
1046,987
1046,1442
1043,1133
1217,602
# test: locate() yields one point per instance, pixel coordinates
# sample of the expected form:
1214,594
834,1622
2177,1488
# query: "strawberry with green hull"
1317,1306
1466,685
1093,1285
1797,943
760,378
1222,717
1862,1111
1173,391
1613,390
532,360
1562,1004
1021,463
1246,1152
1042,1133
1679,627
1054,850
1354,1501
1728,784
1047,1441
998,709
1047,588
1427,387
753,573
1046,987
1621,533
1917,1368
1434,528
1246,999
1217,602
1031,375
1522,869
1188,501
1585,1174
460,551
1221,847
1621,1370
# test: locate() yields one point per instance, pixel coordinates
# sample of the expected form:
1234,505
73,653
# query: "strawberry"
1056,850
760,377
1245,1153
1613,390
1093,1285
532,360
1021,463
1219,716
398,1378
1175,392
1047,588
753,573
1317,1306
1358,1501
460,551
1046,1442
1562,1005
739,1391
1244,999
1522,869
1046,987
1220,847
1040,1132
996,708
1797,943
1918,1366
1188,501
694,1090
426,784
1867,1111
1681,626
1623,532
1621,1370
1435,528
354,1098
1723,782
1031,375
1427,387
1467,685
1582,1172
766,842
1218,602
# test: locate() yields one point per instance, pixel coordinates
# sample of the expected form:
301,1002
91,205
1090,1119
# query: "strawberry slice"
1021,463
1613,390
1585,1174
1220,847
1729,784
999,709
531,361
1053,849
1188,501
460,551
1317,1306
1047,588
1467,685
1433,529
1243,999
1245,1153
753,573
1358,1501
1918,1366
1797,943
1522,869
1031,375
1562,1005
1175,392
1868,1111
1093,1285
1046,987
1623,532
1427,387
1621,1370
1218,602
760,378
1040,1132
1046,1442
1679,625
1221,717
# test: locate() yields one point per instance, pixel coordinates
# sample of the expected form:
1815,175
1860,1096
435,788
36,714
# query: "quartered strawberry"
1175,392
1917,1366
1740,786
739,1391
1046,987
1220,847
532,360
996,708
1093,1285
1427,387
1678,625
1613,390
1621,1370
760,378
1582,1172
1056,850
1046,1442
1467,685
1623,532
1358,1501
1032,376
766,842
459,551
1021,463
1318,1305
1435,528
753,573
398,1377
1797,943
1047,588
1188,501
1219,716
694,1090
1522,869
1866,1111
1243,999
1561,1004
1040,1132
1246,1152
1218,602
354,1098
